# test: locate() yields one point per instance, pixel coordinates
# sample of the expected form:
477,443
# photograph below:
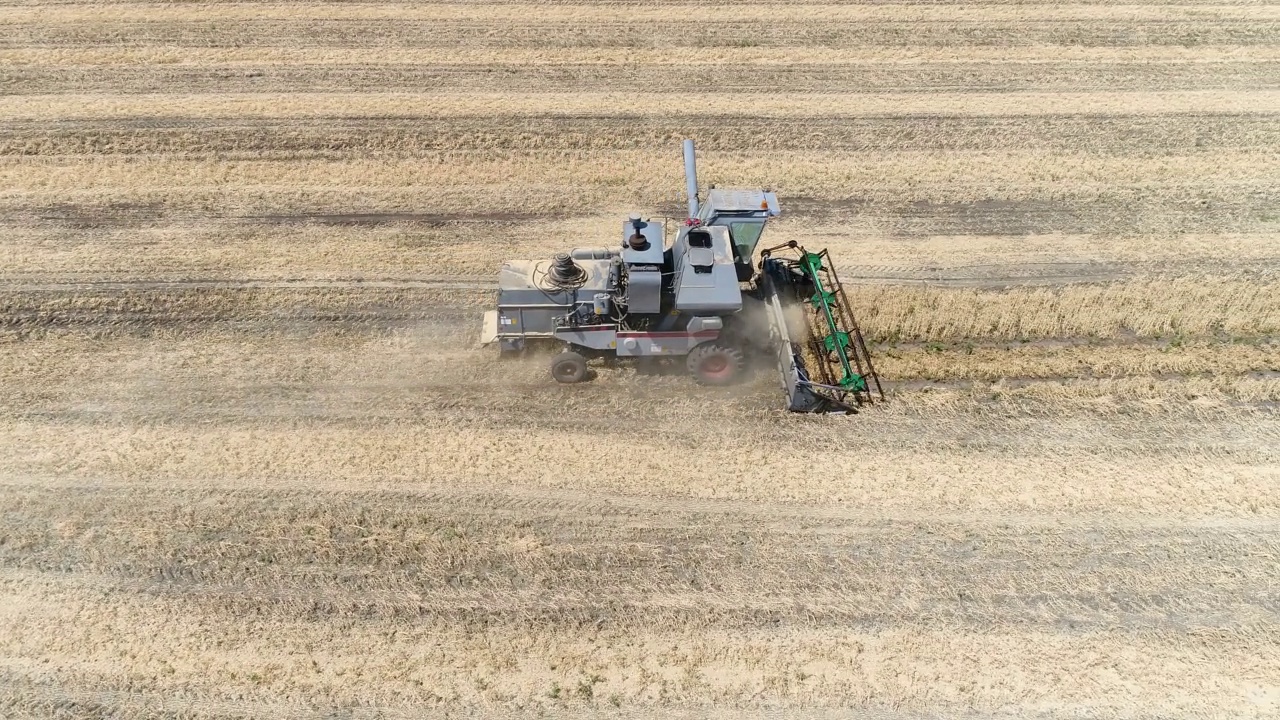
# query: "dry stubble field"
252,463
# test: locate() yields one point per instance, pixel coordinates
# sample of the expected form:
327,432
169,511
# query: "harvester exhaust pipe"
691,177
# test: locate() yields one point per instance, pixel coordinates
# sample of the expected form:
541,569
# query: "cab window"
745,236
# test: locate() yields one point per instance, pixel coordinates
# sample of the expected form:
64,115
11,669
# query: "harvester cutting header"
698,297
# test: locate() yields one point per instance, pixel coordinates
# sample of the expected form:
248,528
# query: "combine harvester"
698,297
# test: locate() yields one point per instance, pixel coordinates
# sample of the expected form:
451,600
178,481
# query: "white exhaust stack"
691,177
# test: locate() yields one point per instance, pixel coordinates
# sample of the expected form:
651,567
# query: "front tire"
715,365
569,367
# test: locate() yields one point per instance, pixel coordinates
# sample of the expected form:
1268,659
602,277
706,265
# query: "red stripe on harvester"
700,333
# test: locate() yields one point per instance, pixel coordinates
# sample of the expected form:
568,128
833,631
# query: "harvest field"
253,463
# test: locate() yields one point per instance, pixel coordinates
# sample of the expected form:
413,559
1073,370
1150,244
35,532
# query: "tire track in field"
986,275
1171,210
1112,134
677,562
408,33
844,78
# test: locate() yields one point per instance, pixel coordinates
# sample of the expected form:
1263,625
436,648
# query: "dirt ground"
253,463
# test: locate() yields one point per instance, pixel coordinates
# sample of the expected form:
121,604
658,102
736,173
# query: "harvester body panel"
530,304
705,280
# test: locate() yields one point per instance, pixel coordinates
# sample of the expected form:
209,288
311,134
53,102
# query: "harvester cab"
697,297
744,213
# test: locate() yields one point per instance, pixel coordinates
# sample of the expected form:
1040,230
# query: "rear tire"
569,367
715,365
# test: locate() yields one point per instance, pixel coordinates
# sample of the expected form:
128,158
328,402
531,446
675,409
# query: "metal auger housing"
692,295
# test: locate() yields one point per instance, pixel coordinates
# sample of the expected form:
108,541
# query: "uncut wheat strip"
877,253
1150,308
1156,395
698,13
1111,361
170,56
805,173
1155,399
361,105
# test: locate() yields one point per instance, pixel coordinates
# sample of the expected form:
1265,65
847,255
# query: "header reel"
822,356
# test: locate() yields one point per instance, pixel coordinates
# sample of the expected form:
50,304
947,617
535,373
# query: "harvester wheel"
569,367
712,364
